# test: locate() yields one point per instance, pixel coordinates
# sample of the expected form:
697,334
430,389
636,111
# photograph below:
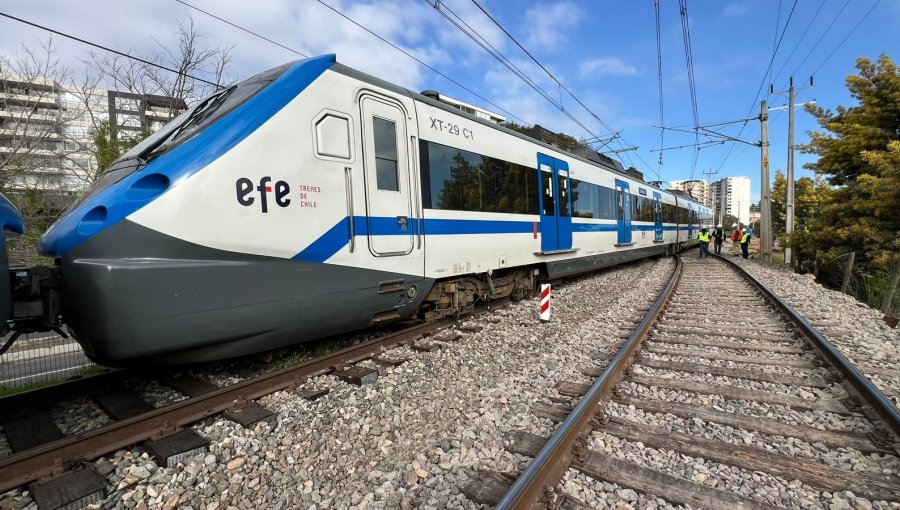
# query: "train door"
389,219
623,216
556,205
690,221
657,217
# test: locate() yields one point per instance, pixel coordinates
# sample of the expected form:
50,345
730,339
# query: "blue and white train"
313,199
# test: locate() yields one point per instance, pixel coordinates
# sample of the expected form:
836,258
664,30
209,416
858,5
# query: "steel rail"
869,393
548,466
49,460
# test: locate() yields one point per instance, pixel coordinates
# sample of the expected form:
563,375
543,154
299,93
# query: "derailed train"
313,199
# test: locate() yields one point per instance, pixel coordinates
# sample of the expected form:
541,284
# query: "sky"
603,52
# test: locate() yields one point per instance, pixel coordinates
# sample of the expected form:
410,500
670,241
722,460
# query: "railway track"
56,467
734,381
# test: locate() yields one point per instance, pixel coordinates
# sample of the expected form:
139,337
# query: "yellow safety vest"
745,239
704,238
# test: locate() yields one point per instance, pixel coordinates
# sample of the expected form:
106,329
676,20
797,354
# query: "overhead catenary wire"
445,12
235,25
105,48
659,63
410,55
767,74
619,139
692,85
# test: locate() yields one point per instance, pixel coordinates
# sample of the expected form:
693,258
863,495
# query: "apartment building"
47,131
731,196
698,189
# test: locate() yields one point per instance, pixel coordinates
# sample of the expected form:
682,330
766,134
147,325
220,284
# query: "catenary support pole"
789,206
765,203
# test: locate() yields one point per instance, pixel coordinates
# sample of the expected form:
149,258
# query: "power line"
763,81
242,28
401,50
620,140
473,34
796,46
866,15
816,45
689,61
104,48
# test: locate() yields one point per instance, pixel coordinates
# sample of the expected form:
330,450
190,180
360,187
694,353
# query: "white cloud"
606,66
547,24
737,8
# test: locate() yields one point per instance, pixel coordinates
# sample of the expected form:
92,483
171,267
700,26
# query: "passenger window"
385,132
547,183
563,186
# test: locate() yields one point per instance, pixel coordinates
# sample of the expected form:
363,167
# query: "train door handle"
402,220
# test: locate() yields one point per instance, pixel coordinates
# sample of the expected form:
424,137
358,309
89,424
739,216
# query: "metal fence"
41,358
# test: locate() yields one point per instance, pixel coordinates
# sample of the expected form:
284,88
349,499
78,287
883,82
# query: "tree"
191,56
859,154
108,147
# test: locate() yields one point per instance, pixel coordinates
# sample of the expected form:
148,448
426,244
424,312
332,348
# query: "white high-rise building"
698,189
47,131
731,196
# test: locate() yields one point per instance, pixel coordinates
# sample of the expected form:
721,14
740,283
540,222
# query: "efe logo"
244,187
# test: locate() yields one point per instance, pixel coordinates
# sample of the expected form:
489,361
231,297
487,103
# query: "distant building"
47,131
731,196
698,189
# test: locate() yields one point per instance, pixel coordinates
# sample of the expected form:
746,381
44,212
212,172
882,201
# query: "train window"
563,187
333,136
458,180
607,203
385,132
642,209
584,199
547,190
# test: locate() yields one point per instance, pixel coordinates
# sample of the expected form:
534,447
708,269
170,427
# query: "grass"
6,391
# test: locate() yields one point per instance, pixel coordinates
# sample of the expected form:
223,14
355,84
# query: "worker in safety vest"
736,240
703,237
745,242
718,235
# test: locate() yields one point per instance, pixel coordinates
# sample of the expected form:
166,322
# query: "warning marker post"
545,302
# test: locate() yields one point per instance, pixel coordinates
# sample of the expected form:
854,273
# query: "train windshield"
202,115
181,128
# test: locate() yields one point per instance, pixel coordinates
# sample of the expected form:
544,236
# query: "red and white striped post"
545,302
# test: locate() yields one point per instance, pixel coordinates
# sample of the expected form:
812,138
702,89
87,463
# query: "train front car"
208,239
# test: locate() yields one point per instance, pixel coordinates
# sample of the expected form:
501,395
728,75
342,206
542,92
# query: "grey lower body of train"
134,296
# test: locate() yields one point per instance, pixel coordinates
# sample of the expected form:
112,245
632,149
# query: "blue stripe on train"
339,235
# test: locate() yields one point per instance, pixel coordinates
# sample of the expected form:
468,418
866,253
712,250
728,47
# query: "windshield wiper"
198,111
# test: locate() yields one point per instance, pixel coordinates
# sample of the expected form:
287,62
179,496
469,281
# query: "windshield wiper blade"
198,110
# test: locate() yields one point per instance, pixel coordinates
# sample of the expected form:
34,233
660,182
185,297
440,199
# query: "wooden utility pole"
891,287
848,272
789,205
765,205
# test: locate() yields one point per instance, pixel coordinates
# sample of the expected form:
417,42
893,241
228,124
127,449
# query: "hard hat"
734,225
719,225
